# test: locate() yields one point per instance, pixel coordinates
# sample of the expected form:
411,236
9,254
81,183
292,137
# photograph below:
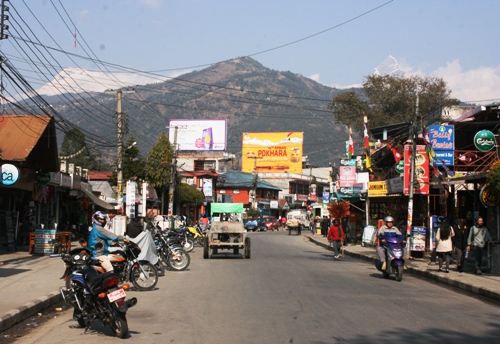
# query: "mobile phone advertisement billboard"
198,135
273,152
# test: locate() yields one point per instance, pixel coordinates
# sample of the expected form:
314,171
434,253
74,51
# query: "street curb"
17,315
435,276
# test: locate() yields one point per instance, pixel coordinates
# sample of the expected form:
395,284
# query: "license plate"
116,295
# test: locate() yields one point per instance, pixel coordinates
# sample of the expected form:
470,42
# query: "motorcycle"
126,265
185,240
95,296
198,234
169,250
394,253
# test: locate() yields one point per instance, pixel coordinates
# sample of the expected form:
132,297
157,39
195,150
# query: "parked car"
271,223
251,224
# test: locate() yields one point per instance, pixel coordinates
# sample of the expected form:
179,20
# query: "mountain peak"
389,66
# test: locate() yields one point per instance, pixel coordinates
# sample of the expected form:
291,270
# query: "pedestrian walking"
444,244
478,238
335,237
460,243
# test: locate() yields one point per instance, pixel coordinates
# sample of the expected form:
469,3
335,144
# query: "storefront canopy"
226,208
97,200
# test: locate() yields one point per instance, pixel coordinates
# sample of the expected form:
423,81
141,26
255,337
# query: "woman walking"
335,237
444,244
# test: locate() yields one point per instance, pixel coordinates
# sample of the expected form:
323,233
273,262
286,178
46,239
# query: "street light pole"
173,175
119,144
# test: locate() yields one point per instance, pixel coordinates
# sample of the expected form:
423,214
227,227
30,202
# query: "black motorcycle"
169,249
96,296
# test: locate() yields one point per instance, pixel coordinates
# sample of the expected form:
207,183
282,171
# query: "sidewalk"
485,285
28,284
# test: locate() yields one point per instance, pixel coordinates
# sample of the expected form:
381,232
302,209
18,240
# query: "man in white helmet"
388,230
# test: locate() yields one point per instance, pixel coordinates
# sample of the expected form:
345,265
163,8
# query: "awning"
97,200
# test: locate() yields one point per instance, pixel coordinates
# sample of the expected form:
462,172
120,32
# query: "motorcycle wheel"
118,323
145,277
188,245
399,273
161,269
180,261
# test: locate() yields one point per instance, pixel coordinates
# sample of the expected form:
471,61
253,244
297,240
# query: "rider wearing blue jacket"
385,232
99,238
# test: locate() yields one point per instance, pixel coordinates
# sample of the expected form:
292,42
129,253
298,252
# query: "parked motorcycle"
170,251
395,262
96,296
126,265
185,240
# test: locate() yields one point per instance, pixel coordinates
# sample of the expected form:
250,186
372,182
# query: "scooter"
394,253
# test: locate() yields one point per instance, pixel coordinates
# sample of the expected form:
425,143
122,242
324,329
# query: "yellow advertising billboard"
272,152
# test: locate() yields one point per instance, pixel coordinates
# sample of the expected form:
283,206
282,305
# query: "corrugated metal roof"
20,134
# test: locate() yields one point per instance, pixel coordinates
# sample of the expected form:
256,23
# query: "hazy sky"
335,42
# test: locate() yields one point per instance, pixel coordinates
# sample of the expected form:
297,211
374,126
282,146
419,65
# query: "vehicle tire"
200,241
118,323
399,273
236,249
205,249
247,248
188,245
179,260
82,321
145,277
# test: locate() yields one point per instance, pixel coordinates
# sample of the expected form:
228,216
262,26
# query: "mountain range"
251,97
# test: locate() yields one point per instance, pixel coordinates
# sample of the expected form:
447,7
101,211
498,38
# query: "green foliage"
133,165
390,100
493,178
75,151
252,212
189,194
159,163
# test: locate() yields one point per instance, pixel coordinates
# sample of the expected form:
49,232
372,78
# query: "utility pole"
412,177
119,144
255,179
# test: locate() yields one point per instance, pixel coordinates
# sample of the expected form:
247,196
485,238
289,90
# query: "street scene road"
290,291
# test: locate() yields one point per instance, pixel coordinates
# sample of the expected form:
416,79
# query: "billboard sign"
272,152
198,135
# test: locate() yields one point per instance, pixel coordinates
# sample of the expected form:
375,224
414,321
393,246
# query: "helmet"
388,219
98,217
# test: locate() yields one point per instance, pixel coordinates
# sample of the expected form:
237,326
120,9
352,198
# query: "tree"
74,150
390,100
190,194
159,166
133,165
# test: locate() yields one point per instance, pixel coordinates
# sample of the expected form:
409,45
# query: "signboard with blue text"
442,139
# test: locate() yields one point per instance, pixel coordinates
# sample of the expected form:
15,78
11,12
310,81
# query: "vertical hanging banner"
130,199
421,179
347,172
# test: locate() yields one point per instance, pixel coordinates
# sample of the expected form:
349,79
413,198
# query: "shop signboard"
377,189
417,239
442,141
347,176
421,178
273,152
395,185
44,239
198,135
130,199
484,140
9,174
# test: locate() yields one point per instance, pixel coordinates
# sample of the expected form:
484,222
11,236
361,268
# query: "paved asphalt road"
290,291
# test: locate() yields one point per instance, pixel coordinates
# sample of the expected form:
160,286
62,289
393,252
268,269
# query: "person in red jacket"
335,237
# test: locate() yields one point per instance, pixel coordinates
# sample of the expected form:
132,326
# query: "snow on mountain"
389,66
76,80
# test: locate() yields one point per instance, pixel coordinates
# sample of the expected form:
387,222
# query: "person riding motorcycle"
385,232
99,238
